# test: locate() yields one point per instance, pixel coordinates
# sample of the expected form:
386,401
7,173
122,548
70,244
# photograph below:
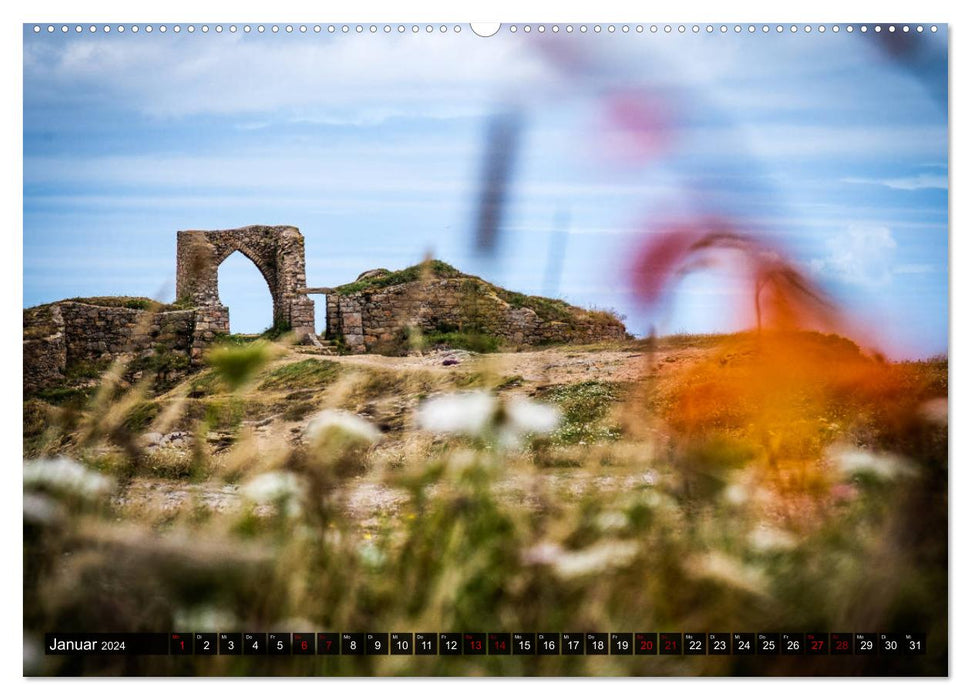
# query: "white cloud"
863,256
923,181
325,79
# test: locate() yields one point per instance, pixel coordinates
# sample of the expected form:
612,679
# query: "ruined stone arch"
277,252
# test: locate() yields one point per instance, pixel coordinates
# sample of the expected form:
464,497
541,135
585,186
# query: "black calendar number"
891,644
303,644
426,643
523,643
278,643
596,643
670,643
328,643
376,643
572,643
352,643
719,643
865,643
792,643
914,644
621,643
402,643
180,643
767,643
230,643
694,643
645,643
450,644
743,643
817,643
500,643
254,643
205,643
474,643
840,643
548,643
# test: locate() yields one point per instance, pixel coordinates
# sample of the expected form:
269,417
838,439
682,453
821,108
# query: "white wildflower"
611,521
852,461
542,553
275,488
531,417
64,474
204,617
371,556
594,560
42,509
729,571
735,494
480,414
344,422
769,539
470,413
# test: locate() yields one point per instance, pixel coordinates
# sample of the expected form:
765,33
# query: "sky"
832,145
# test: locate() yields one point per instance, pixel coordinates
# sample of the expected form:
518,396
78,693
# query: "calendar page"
436,349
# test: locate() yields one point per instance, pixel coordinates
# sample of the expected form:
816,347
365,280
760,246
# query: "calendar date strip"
489,643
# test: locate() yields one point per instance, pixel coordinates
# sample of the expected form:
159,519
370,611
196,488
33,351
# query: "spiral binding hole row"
512,28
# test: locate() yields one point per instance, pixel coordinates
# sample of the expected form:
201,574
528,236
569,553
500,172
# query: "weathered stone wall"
207,322
373,319
45,352
62,335
277,252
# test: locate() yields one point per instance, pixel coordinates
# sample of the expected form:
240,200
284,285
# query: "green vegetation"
301,375
137,303
546,308
81,370
235,339
509,382
67,396
434,268
459,340
162,361
205,383
274,332
140,415
236,365
585,407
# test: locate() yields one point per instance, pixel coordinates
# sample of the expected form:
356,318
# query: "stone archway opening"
276,251
245,292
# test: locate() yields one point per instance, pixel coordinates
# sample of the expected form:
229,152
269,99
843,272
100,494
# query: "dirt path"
548,366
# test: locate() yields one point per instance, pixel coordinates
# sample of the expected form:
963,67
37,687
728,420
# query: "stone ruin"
372,318
376,313
73,332
277,252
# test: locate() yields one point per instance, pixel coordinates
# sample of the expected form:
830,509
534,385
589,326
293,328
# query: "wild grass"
304,374
702,512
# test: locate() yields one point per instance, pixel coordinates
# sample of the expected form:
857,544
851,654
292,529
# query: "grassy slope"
546,308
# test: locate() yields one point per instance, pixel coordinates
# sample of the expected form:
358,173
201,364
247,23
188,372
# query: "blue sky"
373,146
